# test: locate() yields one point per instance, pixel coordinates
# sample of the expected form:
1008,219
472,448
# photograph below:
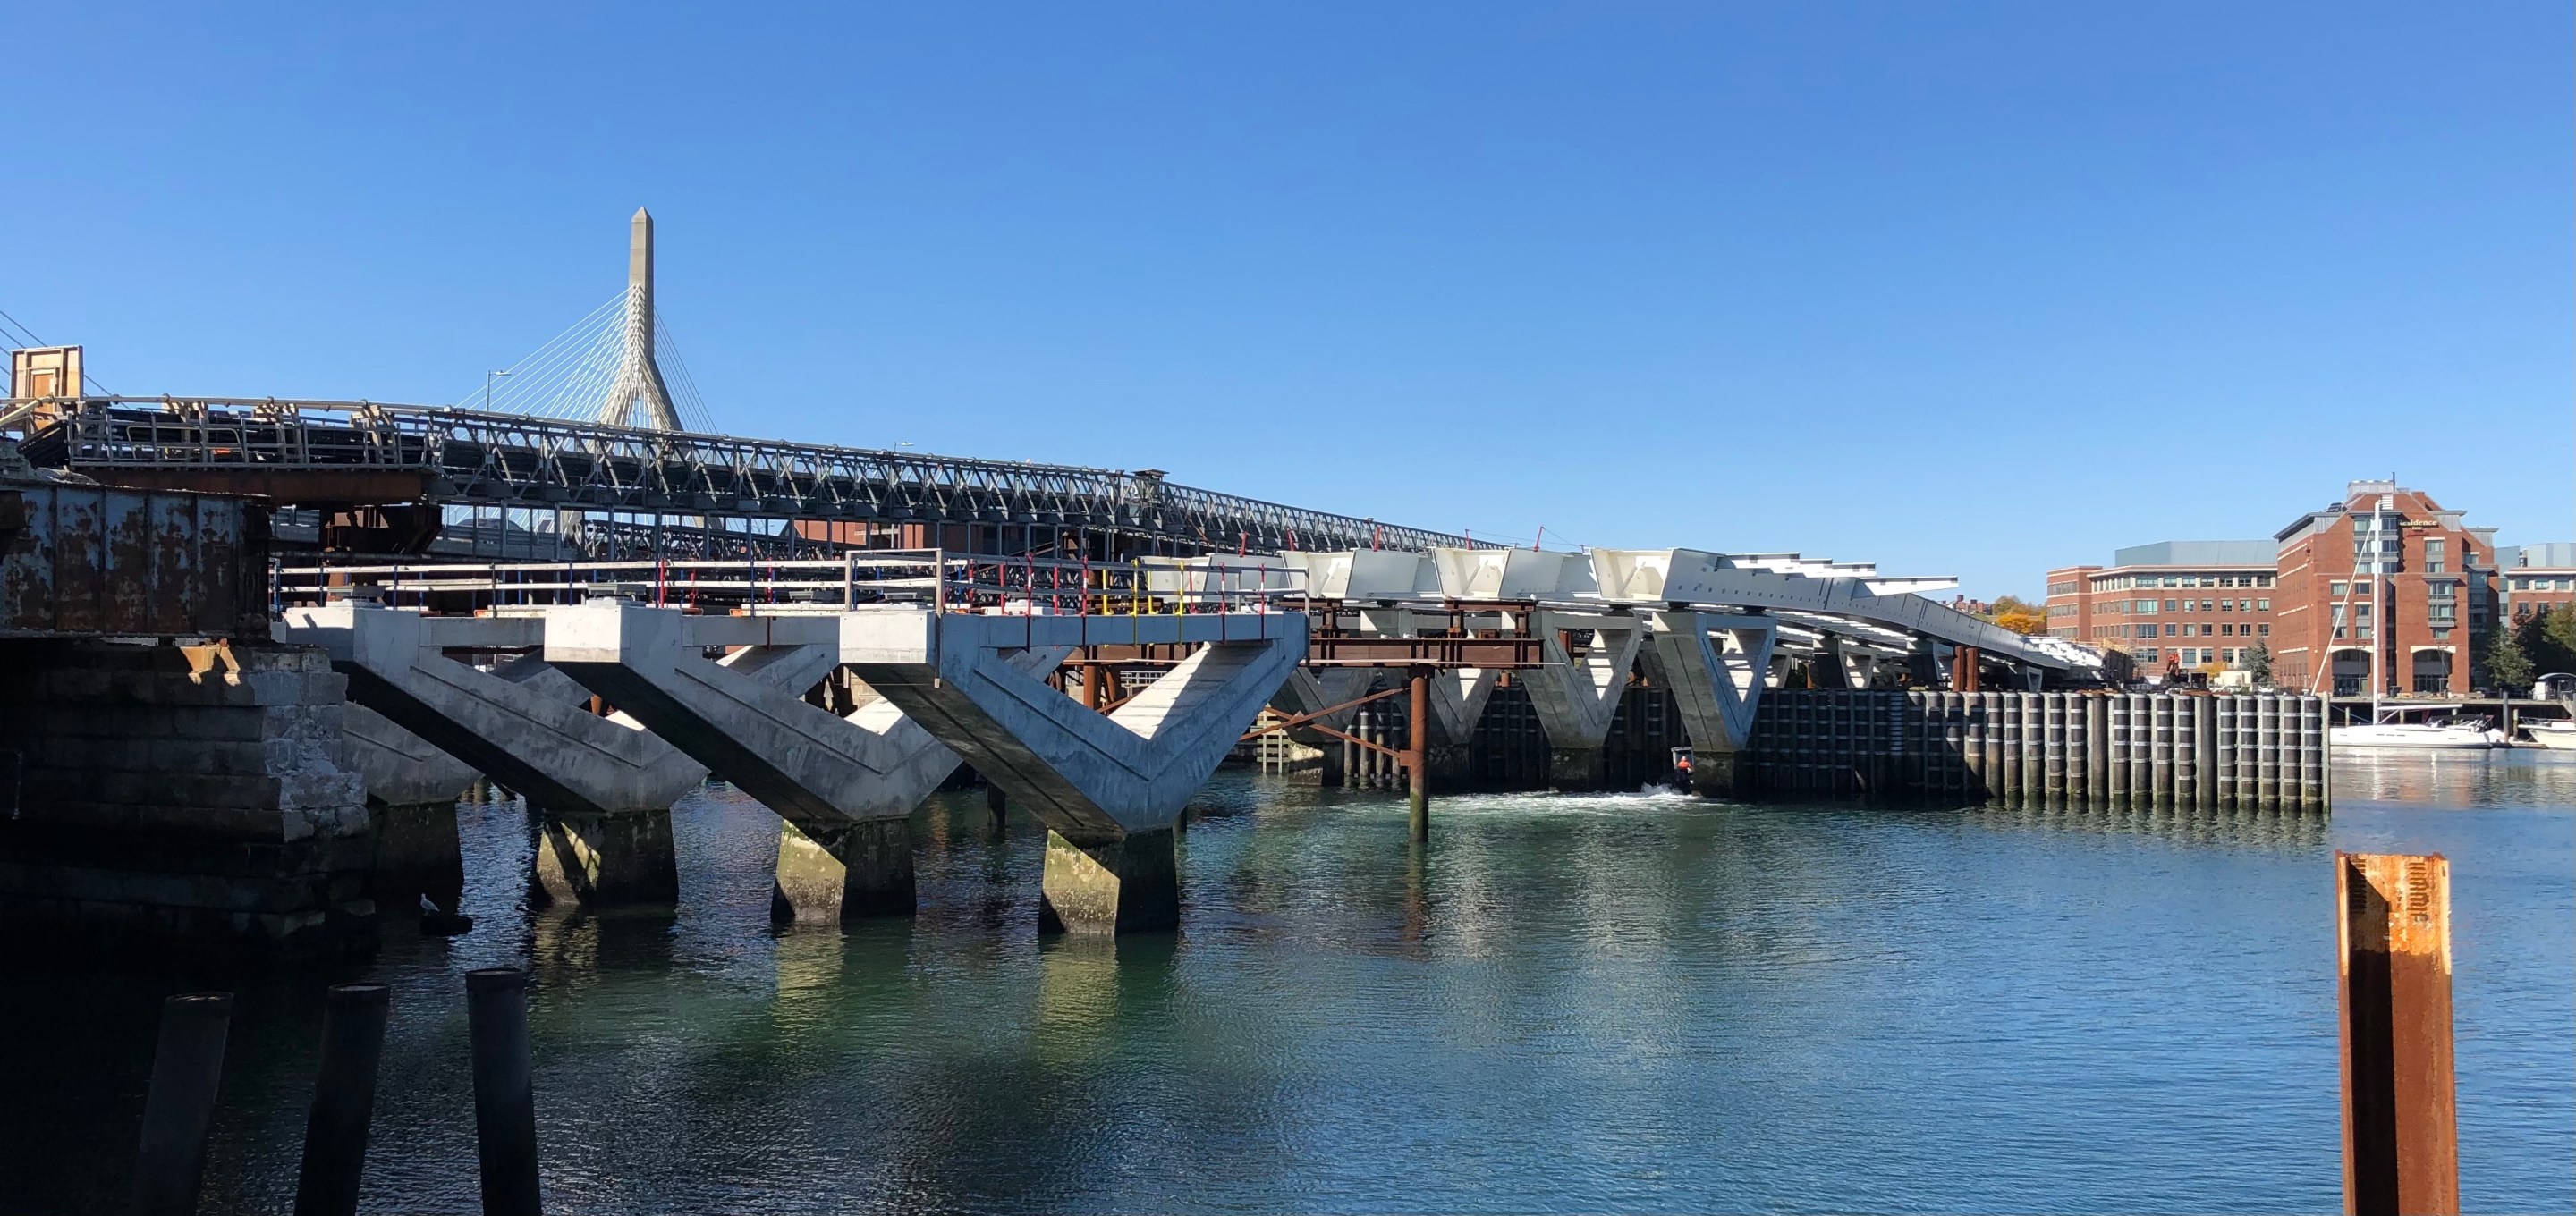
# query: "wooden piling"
2393,994
187,1066
505,1099
344,1099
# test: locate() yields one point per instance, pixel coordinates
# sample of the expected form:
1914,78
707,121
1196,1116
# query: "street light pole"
488,378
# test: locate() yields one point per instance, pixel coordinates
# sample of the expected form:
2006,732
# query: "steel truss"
474,458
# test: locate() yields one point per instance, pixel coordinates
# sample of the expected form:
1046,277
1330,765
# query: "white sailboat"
2388,727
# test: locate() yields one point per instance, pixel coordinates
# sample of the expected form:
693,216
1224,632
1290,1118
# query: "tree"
2507,665
2019,615
2548,640
2258,664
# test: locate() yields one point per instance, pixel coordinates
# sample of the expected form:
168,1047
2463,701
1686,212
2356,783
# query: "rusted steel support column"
2401,1151
1963,669
1417,746
1095,690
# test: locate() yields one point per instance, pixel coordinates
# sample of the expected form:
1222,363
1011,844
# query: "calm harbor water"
1637,1002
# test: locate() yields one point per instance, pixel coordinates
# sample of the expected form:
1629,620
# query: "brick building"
2534,578
2386,567
2181,604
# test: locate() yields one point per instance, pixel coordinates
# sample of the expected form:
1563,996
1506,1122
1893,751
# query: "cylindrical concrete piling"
1954,770
2204,753
2161,744
2119,750
2312,753
2142,747
2034,746
2097,751
2009,706
2249,759
505,1097
187,1064
1994,706
344,1099
2267,753
2079,750
1975,747
2053,729
2225,767
2186,746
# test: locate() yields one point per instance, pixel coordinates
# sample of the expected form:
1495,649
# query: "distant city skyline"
1972,290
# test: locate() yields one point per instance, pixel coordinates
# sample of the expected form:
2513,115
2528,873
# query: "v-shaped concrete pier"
1715,665
1576,699
844,787
1110,786
604,788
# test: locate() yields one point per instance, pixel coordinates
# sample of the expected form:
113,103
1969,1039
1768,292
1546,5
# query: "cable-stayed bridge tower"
638,397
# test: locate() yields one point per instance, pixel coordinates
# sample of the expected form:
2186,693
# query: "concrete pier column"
846,786
1576,700
1110,787
1713,664
864,868
417,855
1127,885
202,813
601,859
603,786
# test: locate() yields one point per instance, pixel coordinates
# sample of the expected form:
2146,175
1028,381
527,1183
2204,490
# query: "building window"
2433,554
2169,630
2263,606
2337,590
2265,630
2169,606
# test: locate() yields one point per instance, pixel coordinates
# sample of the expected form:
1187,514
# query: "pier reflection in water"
1617,1002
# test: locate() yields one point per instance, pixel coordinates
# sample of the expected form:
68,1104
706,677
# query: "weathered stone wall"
211,814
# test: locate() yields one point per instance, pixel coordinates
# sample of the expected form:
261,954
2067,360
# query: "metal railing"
950,582
475,457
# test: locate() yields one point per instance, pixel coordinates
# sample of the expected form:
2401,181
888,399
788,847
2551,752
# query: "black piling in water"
505,1096
187,1065
344,1100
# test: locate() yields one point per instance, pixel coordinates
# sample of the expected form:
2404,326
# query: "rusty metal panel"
86,561
2401,1150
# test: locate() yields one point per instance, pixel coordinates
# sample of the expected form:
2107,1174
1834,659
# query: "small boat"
2558,735
2439,734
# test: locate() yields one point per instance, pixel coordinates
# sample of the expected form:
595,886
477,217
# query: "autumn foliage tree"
2019,615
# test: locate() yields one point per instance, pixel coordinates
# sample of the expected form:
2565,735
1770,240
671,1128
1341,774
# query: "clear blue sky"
1960,288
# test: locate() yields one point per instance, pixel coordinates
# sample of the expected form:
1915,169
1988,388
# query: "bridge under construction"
577,588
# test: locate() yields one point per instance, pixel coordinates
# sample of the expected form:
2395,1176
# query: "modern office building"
2174,605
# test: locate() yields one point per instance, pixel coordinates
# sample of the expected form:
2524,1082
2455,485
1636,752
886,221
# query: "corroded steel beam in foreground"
2401,1150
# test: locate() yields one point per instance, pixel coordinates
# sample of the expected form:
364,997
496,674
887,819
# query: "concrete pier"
1575,698
412,790
845,786
1713,663
162,807
602,787
1110,787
